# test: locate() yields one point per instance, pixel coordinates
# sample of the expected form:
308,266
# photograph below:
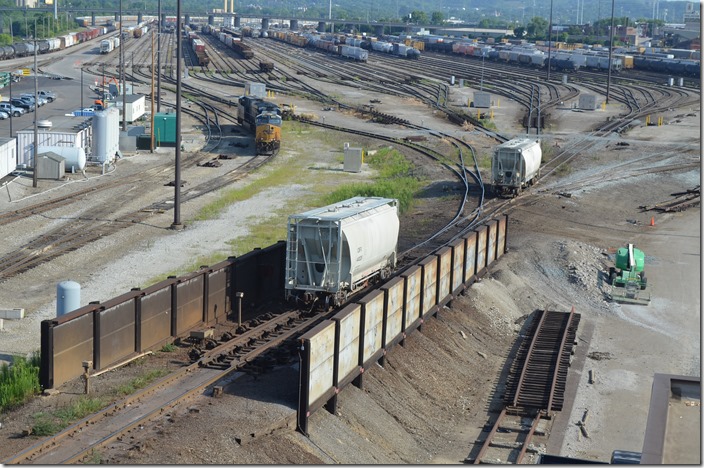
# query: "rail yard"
442,387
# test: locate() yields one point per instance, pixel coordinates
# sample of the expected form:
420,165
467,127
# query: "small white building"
64,132
135,104
8,156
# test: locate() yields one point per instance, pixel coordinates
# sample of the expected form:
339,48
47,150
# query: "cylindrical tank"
75,157
106,134
680,82
68,297
564,79
670,82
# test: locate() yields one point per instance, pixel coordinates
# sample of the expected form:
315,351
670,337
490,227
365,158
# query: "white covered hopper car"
515,165
337,249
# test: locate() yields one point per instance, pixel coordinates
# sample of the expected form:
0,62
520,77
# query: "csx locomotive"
264,118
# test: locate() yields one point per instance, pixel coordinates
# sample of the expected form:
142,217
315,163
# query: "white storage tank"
68,297
75,157
336,249
515,165
106,134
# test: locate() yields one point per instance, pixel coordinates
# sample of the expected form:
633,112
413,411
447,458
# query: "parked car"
42,101
48,95
4,115
23,103
12,110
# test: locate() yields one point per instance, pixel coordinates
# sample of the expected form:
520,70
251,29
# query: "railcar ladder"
292,253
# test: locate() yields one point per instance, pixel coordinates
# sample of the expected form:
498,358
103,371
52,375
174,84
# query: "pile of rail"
680,201
535,386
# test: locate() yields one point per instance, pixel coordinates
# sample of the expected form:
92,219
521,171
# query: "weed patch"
19,381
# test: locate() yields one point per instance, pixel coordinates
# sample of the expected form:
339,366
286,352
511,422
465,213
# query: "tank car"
515,165
338,249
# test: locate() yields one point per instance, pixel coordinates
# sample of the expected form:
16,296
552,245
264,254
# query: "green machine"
627,277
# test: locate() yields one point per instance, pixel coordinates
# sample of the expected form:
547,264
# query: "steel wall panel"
470,258
491,241
116,333
259,274
412,278
217,295
501,236
458,249
189,300
73,344
373,304
321,345
481,249
394,309
156,317
430,278
445,272
349,321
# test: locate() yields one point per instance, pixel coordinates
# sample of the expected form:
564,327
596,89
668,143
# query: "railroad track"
76,443
535,389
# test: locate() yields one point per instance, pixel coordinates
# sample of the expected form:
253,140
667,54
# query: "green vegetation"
279,176
46,424
395,180
96,458
168,348
19,382
484,160
140,382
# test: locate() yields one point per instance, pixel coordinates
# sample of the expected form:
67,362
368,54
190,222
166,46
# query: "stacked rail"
539,373
535,387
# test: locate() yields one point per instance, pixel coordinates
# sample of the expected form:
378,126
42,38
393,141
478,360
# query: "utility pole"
36,110
151,144
611,47
158,59
122,76
177,182
550,41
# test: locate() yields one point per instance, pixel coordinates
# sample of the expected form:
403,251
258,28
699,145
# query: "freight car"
515,165
264,118
335,250
45,46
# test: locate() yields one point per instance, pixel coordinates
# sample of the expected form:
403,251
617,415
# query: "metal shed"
50,166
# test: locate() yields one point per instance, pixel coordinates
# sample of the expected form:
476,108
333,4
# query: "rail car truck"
264,118
515,165
338,249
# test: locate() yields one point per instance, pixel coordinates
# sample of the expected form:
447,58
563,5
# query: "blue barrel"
68,297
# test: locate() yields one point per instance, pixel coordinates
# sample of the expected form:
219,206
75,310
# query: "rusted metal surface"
482,234
429,285
444,275
539,373
76,443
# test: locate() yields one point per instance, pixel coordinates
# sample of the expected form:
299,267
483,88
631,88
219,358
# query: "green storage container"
164,129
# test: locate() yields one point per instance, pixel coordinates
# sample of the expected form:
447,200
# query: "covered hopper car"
515,165
338,249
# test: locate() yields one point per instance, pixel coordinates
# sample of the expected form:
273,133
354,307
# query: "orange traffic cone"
652,220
